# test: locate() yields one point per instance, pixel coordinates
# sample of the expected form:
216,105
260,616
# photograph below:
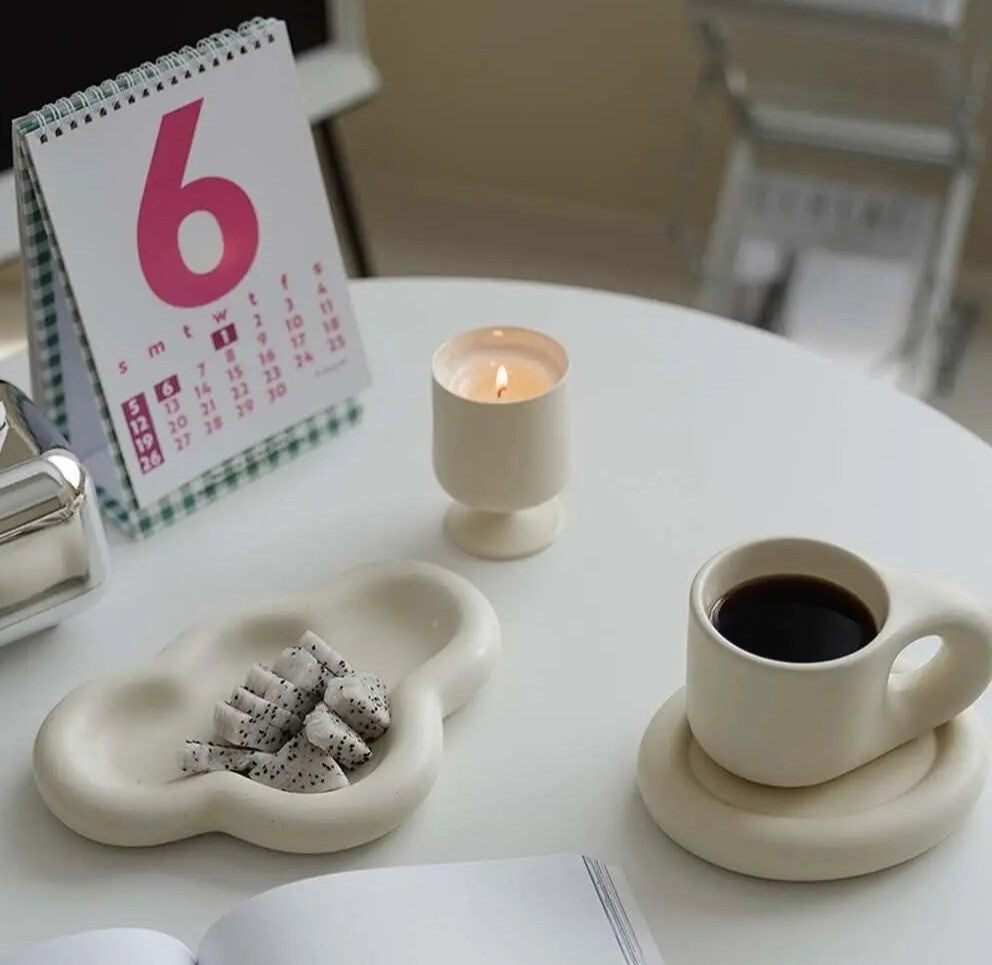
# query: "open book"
521,911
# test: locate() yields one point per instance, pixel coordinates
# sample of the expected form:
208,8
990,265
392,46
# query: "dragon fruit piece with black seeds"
333,663
300,667
300,767
199,757
361,701
326,730
282,693
239,729
255,706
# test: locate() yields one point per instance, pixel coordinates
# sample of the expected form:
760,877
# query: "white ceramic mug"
795,724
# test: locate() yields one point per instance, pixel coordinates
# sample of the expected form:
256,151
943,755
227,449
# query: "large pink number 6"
166,201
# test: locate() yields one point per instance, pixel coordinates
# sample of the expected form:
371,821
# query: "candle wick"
500,391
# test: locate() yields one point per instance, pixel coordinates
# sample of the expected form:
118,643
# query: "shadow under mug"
797,724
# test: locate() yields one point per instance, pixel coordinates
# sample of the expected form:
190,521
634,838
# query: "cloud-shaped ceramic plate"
106,758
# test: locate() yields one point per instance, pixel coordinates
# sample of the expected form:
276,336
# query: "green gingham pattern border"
44,270
38,281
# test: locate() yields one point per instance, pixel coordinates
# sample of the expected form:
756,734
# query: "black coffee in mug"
795,619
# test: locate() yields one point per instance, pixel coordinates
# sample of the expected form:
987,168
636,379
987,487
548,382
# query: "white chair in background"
791,113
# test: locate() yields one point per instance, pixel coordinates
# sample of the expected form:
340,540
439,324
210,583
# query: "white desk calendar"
189,320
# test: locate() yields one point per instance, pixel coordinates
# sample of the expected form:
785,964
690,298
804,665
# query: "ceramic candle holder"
501,439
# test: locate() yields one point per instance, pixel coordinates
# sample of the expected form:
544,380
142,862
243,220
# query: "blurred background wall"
567,112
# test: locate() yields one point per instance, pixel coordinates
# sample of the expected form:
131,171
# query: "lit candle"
501,439
496,374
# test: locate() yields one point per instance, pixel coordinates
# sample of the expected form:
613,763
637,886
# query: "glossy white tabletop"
693,433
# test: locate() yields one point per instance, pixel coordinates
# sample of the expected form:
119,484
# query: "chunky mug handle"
919,700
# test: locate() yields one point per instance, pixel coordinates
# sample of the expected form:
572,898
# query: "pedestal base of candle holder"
504,536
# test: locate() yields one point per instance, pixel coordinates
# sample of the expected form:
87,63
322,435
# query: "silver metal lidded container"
53,550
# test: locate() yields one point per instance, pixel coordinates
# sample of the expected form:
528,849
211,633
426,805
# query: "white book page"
198,242
526,911
112,946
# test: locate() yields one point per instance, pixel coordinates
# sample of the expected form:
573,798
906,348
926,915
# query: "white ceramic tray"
106,759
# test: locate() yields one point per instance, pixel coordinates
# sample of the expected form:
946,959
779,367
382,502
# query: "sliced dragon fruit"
333,663
299,766
299,667
239,729
198,757
361,701
255,706
264,683
326,730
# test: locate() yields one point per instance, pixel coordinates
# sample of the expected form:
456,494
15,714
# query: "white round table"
692,433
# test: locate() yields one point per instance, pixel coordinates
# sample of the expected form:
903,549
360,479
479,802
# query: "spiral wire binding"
98,100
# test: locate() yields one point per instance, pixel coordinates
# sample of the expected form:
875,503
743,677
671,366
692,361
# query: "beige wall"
554,102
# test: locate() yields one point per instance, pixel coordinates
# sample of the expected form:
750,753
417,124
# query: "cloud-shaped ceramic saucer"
106,758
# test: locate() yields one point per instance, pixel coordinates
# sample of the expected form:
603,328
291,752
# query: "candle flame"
502,381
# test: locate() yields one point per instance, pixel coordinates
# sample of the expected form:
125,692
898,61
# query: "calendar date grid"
252,357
